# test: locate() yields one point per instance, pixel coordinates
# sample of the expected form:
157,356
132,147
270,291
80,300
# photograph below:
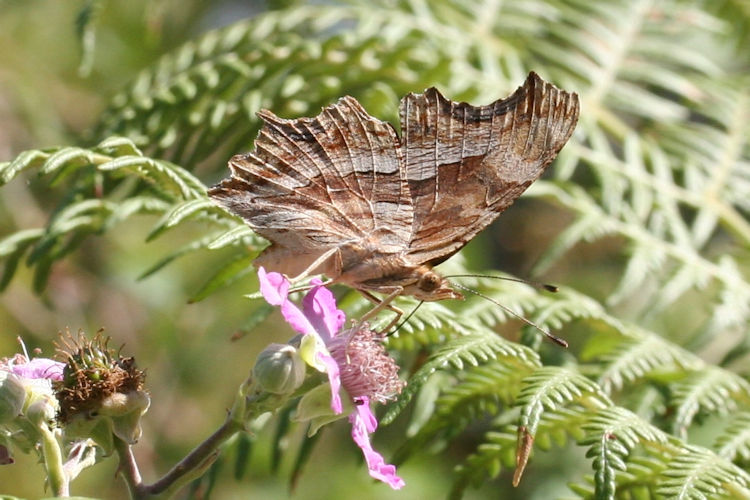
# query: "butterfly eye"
429,282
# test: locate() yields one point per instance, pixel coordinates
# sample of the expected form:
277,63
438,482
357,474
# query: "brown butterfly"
343,195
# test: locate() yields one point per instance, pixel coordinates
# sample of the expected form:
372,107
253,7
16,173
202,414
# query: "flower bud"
125,411
12,396
42,410
279,369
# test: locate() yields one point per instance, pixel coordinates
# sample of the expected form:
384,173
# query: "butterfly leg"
380,304
312,267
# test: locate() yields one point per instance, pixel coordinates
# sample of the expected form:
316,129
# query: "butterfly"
342,194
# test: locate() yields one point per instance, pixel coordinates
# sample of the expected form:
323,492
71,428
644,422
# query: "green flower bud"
119,415
12,396
125,411
279,369
39,392
42,410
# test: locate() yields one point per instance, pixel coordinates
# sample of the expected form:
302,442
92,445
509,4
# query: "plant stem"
248,405
53,463
129,468
196,461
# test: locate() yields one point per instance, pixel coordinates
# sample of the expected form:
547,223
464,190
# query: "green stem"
53,462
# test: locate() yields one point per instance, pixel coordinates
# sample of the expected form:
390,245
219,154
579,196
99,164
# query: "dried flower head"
94,374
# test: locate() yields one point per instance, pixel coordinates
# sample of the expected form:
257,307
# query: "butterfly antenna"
535,284
553,338
403,322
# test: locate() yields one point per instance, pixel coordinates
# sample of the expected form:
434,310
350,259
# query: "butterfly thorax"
386,273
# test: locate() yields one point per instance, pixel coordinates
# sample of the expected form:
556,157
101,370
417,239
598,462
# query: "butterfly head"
430,286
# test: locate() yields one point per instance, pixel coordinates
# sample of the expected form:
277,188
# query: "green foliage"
658,174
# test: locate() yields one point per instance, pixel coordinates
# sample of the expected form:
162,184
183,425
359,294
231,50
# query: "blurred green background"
55,83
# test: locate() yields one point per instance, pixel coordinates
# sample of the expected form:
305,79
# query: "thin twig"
196,459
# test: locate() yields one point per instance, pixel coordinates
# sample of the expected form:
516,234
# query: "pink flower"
36,368
320,321
353,358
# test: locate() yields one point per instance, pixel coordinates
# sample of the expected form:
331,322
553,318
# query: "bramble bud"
125,411
12,396
42,409
279,369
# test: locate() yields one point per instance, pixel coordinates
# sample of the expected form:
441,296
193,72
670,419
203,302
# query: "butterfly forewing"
313,184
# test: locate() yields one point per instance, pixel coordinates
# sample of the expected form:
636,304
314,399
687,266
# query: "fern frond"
550,388
433,323
239,234
99,201
186,249
13,248
479,390
612,435
236,267
181,212
555,402
712,390
734,442
472,394
690,268
635,358
471,350
496,451
698,473
207,93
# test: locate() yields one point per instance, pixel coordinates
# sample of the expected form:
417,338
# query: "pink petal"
275,289
273,286
297,319
320,308
40,368
332,369
362,419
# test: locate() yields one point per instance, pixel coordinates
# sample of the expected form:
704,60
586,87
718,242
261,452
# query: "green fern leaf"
734,442
612,434
180,213
698,473
550,388
473,349
711,389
